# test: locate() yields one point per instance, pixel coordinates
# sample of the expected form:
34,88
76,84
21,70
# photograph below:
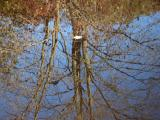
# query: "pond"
111,72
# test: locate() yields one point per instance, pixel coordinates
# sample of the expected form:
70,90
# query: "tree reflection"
112,72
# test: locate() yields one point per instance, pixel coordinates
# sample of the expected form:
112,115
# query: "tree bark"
76,64
88,68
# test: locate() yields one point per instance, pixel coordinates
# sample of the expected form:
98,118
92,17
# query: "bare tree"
80,59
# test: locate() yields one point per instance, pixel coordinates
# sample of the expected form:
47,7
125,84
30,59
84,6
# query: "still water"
123,49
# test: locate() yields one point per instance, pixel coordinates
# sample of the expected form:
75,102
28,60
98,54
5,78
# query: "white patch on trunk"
77,37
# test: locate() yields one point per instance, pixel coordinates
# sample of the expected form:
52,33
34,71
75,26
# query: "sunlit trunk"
88,73
76,64
51,59
41,74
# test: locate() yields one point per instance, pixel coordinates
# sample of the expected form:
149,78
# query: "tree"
92,74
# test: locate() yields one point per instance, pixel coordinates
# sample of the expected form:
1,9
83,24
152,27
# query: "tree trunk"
88,68
76,64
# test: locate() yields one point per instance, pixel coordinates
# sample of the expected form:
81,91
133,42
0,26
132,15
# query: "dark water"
124,51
